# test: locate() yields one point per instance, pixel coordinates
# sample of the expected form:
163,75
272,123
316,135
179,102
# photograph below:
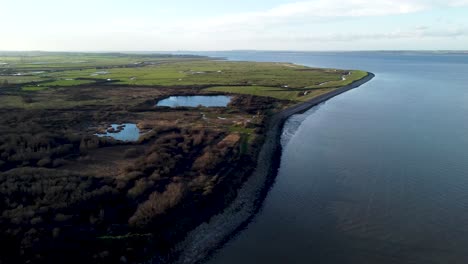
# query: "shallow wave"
292,125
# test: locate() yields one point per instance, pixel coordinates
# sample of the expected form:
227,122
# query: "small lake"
125,132
196,100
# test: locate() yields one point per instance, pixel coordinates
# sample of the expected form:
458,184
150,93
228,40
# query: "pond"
196,100
123,132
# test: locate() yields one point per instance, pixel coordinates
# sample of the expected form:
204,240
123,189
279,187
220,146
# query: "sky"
190,25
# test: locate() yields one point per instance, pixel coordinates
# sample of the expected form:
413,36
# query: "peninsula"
108,158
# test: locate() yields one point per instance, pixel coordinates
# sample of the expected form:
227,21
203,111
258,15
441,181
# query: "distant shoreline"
206,238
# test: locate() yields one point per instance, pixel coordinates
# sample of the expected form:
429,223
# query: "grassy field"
44,76
216,73
274,92
32,61
33,88
67,83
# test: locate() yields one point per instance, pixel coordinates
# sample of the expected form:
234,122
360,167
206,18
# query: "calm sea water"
376,175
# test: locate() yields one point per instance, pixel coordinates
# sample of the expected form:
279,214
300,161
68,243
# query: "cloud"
457,3
335,8
351,8
312,11
303,22
297,14
300,22
416,33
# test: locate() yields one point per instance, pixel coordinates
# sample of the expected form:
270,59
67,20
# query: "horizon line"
235,50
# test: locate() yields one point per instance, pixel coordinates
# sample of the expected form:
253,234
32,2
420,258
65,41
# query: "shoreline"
205,239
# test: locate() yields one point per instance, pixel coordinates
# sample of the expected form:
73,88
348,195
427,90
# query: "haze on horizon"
144,25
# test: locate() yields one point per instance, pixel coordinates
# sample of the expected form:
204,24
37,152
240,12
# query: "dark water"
376,175
196,100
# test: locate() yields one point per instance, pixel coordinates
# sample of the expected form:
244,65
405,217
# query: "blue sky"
148,25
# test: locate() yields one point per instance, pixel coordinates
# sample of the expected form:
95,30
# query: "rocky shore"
206,238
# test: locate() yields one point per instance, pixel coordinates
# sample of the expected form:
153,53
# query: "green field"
67,82
216,73
33,61
33,88
275,92
33,72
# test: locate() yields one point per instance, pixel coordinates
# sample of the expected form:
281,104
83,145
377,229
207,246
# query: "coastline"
209,236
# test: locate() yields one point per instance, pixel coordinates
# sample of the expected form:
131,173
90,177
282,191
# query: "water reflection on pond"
123,132
196,100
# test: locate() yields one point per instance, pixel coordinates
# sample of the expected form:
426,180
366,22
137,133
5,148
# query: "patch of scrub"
124,132
196,100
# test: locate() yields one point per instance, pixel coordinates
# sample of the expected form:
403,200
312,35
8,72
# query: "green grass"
355,76
70,82
171,71
288,93
242,130
207,72
55,61
19,79
278,93
33,88
274,92
283,81
352,77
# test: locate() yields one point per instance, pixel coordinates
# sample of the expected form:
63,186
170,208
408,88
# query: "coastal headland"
108,158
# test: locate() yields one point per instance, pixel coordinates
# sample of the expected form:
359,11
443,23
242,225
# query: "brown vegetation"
58,199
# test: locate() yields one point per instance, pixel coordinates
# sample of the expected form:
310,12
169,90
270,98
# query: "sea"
376,175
